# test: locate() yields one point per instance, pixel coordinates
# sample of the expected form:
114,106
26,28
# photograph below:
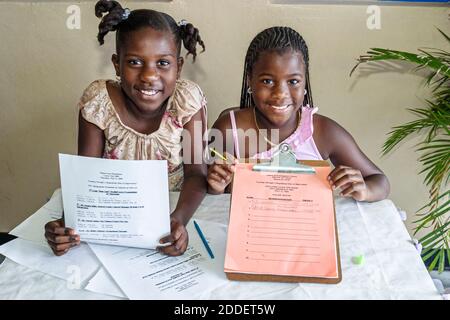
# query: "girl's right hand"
59,238
219,176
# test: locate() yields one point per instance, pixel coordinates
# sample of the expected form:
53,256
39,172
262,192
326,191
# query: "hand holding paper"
59,238
178,239
350,181
116,202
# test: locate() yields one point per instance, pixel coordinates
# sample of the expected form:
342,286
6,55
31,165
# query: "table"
393,268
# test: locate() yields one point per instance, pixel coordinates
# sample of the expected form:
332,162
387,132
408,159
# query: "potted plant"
433,124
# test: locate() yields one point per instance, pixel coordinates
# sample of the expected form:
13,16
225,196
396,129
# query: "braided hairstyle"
279,39
123,21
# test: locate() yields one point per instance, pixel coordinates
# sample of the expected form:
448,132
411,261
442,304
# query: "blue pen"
200,233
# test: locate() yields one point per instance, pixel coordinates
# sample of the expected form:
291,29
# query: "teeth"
149,92
280,107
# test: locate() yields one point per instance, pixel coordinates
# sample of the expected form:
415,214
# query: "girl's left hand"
350,181
178,238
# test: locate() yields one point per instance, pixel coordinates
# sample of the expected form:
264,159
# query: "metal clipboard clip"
284,160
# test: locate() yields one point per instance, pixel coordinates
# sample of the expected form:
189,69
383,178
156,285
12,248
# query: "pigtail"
124,21
190,36
300,43
246,96
308,101
111,20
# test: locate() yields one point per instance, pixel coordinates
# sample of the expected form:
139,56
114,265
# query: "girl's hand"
350,181
219,176
178,238
59,238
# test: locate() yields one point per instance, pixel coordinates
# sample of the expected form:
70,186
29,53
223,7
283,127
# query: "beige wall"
45,67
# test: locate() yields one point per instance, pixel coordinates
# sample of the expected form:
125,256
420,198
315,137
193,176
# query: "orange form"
282,224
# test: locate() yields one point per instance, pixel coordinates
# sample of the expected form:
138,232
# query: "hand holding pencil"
220,173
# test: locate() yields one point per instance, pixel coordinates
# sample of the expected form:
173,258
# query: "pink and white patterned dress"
124,143
301,140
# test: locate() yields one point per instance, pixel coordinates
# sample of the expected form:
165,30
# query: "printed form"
148,274
282,224
116,202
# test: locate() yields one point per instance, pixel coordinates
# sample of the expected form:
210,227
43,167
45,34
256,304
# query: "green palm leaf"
433,125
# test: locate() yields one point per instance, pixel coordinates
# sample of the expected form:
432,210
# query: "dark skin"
149,65
278,85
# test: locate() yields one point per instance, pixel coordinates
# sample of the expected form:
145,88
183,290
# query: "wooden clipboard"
283,165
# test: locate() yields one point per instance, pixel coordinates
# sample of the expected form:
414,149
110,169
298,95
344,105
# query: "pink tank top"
301,140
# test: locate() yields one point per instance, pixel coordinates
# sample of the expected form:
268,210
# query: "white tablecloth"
393,268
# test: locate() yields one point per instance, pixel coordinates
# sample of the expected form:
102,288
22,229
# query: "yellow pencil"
218,154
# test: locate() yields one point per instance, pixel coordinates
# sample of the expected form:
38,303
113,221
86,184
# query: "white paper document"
79,263
103,283
32,229
147,274
116,202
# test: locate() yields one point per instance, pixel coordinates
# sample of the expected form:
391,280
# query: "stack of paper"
94,211
191,275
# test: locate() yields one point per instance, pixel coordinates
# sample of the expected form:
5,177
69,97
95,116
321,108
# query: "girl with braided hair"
145,113
277,105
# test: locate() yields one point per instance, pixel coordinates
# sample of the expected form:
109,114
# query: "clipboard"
284,162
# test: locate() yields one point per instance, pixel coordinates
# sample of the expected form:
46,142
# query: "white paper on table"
116,202
32,228
147,274
31,248
393,269
103,283
35,253
77,265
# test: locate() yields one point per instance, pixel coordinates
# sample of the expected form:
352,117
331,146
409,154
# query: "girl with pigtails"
144,113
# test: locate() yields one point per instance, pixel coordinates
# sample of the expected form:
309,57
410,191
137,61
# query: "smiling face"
148,65
278,84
